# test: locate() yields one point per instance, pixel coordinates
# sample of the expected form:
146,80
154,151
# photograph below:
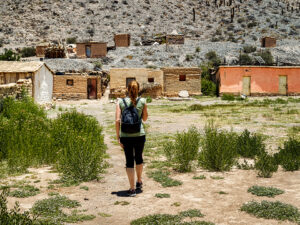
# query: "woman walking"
130,112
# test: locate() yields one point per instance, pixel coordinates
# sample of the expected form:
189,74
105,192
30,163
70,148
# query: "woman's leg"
139,147
128,149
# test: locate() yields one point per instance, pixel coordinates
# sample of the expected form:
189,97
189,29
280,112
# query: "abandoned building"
156,82
38,72
91,49
175,39
177,79
268,42
75,86
259,81
122,40
41,49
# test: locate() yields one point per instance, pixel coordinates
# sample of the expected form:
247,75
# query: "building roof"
253,66
20,67
92,42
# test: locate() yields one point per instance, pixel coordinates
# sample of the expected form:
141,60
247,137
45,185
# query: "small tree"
9,55
213,58
267,57
245,59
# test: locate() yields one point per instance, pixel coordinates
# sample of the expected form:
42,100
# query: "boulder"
183,94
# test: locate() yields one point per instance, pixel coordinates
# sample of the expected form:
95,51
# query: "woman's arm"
145,113
118,121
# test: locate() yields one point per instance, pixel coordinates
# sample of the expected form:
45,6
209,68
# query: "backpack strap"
137,101
125,102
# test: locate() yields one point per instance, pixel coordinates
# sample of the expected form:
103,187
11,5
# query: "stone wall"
122,40
179,79
175,39
15,89
268,42
79,89
98,49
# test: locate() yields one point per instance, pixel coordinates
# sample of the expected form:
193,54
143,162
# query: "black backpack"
130,122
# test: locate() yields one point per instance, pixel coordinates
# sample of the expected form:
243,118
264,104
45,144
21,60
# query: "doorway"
88,51
282,85
92,88
246,86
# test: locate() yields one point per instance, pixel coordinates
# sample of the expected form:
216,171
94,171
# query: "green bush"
148,99
218,149
28,52
184,150
245,59
9,55
71,40
228,97
13,216
289,156
272,210
80,146
208,87
267,57
265,191
266,165
252,24
249,49
213,58
250,145
163,178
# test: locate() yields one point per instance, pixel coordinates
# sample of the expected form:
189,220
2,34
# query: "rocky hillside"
25,22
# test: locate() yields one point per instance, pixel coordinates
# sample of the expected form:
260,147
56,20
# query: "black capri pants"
133,148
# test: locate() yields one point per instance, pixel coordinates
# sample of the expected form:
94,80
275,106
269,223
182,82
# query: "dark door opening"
88,51
92,88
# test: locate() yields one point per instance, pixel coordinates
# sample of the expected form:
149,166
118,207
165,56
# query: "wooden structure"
91,49
259,80
38,72
40,49
175,39
122,40
268,42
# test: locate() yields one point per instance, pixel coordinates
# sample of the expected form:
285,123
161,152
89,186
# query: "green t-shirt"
139,107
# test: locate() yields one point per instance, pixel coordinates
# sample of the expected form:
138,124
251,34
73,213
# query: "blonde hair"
133,91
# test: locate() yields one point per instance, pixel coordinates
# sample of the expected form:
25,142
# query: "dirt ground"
222,209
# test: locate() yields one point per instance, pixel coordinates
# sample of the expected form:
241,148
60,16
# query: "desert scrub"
265,191
266,165
289,156
208,87
184,150
50,210
13,216
24,191
201,177
218,149
250,145
228,97
163,178
162,195
80,145
191,213
272,210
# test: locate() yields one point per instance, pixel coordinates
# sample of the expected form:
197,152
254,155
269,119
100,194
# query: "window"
151,80
182,77
70,82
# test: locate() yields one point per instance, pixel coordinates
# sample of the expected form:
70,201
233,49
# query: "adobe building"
41,49
268,42
75,86
91,49
259,81
122,40
40,74
149,79
177,79
175,39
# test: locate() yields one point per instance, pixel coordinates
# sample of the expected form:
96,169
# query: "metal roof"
20,67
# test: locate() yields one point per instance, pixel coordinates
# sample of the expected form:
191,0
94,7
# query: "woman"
132,143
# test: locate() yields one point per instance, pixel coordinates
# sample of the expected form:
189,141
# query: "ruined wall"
173,85
6,78
122,40
175,39
97,50
264,80
15,89
268,42
79,89
40,51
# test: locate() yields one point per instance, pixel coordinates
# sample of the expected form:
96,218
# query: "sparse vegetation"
249,49
162,195
27,52
201,177
71,40
163,178
266,165
9,55
265,191
228,97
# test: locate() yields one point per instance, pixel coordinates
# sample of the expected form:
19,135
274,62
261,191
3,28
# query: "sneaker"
131,193
139,185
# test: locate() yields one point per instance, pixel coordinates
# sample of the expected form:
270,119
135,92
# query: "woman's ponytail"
133,91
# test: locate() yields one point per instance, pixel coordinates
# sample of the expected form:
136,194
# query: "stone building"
91,49
38,72
122,40
41,49
75,86
268,42
259,80
177,79
175,39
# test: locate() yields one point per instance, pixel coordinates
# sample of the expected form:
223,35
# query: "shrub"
71,40
250,145
249,49
213,58
80,146
184,150
252,24
161,219
267,57
13,216
266,165
245,59
9,55
218,149
163,178
272,210
27,52
148,99
265,191
289,156
208,87
228,97
198,49
189,58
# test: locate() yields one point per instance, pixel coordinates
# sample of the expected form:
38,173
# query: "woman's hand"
122,146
